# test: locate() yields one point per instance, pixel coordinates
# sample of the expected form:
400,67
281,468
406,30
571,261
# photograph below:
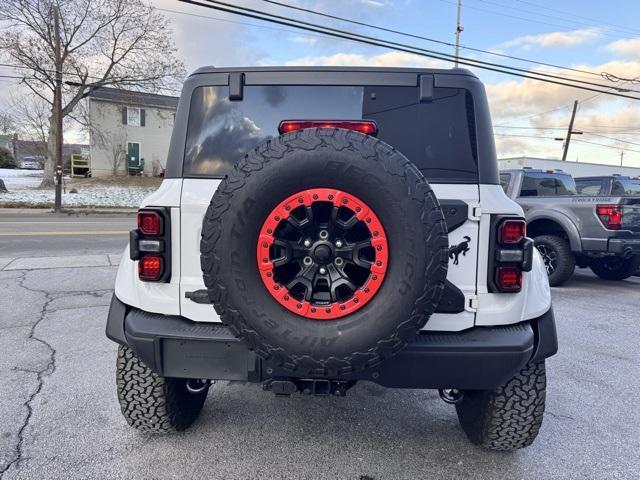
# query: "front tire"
615,268
558,258
152,403
509,417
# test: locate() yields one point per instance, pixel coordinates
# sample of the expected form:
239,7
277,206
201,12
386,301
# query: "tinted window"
505,178
220,131
437,136
542,184
626,186
591,186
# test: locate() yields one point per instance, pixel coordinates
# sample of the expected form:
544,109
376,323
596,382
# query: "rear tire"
615,268
152,403
558,258
509,417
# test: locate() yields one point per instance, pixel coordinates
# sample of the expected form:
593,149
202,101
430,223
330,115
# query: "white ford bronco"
317,227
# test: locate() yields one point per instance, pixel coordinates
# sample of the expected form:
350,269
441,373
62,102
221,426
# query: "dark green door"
133,155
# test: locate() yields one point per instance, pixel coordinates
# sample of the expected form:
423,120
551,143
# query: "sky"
589,35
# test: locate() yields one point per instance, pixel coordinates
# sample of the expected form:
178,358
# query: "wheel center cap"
322,254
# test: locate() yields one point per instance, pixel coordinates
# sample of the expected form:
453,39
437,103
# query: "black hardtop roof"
421,71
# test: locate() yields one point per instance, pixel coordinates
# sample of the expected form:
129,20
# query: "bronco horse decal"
461,248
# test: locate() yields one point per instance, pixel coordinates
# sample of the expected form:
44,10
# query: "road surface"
46,234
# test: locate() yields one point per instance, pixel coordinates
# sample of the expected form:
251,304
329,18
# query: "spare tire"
325,250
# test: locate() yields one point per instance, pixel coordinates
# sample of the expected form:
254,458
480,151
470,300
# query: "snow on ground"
22,184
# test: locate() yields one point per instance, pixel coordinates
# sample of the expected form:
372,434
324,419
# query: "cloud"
626,48
513,98
304,39
389,59
571,38
375,3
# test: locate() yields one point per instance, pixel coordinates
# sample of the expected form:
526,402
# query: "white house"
129,131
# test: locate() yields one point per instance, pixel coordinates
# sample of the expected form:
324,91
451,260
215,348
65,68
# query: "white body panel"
196,195
189,199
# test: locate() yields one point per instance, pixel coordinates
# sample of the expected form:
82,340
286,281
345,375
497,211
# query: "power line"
522,18
573,14
420,37
555,17
260,15
575,140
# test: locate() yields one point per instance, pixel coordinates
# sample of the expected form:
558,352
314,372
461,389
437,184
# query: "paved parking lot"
60,417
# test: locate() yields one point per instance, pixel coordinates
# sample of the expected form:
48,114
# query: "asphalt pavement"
26,234
60,416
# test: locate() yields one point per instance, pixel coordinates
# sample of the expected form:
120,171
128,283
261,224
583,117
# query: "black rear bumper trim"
478,358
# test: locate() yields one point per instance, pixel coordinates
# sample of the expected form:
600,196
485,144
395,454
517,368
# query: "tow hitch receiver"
307,386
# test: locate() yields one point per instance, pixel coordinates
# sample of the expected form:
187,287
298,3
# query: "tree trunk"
48,178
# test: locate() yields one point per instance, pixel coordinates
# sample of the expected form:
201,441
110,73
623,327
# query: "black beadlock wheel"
509,417
559,260
615,268
151,403
278,223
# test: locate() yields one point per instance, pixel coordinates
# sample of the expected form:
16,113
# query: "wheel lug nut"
307,261
339,243
307,243
324,234
322,270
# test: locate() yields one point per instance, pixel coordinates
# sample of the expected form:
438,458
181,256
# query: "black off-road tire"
382,178
152,403
615,268
566,260
509,417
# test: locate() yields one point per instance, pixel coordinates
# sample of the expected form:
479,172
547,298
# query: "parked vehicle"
321,226
30,163
622,185
600,232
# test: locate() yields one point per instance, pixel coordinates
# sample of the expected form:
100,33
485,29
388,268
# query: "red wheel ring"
377,266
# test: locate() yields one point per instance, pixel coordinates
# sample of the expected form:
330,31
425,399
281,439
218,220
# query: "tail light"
368,127
150,223
610,216
150,244
509,278
512,232
150,268
512,255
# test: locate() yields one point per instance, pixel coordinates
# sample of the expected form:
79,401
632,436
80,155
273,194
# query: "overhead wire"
420,37
308,26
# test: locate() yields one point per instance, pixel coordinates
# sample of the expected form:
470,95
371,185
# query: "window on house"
133,116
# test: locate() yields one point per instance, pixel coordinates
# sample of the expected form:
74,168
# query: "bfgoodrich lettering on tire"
309,285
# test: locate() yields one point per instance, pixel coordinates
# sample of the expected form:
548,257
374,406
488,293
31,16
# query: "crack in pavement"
41,374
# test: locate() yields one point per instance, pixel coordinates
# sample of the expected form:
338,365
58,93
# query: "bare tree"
121,43
7,123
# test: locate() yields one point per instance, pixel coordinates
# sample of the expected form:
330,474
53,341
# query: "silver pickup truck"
596,231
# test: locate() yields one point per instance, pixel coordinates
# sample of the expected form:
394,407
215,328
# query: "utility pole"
621,156
459,29
57,110
569,131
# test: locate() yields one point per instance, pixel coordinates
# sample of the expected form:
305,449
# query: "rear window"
437,136
589,186
625,186
505,179
542,184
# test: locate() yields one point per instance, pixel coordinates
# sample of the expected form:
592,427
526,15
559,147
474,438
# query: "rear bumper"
478,358
624,246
